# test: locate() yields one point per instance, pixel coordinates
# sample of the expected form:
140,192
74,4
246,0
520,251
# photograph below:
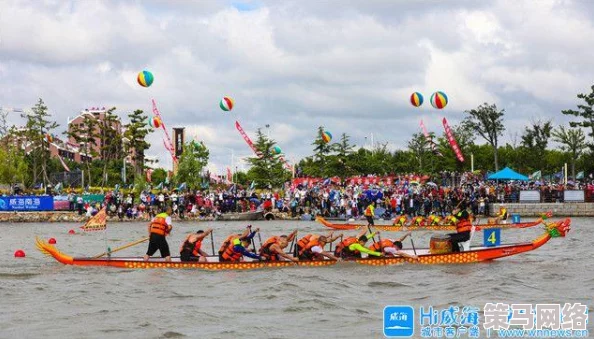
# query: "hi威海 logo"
399,321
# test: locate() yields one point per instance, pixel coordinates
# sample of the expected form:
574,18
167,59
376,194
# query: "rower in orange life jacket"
369,213
230,239
302,243
237,248
191,247
273,248
352,247
314,250
463,228
158,229
390,247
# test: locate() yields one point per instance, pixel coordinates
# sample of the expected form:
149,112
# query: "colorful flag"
536,175
452,140
97,222
430,140
63,163
580,175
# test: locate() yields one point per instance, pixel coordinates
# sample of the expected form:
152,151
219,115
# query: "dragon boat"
420,226
425,257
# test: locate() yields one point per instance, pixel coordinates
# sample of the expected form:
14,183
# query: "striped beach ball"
439,100
416,99
155,122
227,104
145,78
326,136
276,150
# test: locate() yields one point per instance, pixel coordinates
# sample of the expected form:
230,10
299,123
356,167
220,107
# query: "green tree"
110,142
136,132
572,141
37,129
586,112
266,170
13,167
159,175
465,139
339,163
487,121
191,162
85,135
535,140
419,148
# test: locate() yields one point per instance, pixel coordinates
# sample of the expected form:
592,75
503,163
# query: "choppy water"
40,297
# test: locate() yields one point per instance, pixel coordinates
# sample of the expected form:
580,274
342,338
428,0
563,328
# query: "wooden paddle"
122,247
212,243
369,229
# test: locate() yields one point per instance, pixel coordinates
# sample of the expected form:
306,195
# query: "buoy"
19,254
71,232
52,241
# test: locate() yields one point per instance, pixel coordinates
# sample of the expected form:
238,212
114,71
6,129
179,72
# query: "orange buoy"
52,241
71,232
19,254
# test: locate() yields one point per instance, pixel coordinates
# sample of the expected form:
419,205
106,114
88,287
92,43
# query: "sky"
348,65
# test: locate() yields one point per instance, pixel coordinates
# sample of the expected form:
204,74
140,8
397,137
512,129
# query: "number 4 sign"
492,237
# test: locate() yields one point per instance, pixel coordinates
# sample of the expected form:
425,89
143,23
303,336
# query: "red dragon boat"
472,255
414,227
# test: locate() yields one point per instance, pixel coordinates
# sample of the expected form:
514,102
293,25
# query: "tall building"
95,113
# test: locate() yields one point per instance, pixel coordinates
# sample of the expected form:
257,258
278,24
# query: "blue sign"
27,203
399,321
492,237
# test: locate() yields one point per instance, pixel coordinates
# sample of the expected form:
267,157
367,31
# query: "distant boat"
258,215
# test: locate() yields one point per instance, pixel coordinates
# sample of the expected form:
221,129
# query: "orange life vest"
463,226
301,243
306,251
368,211
227,241
378,246
265,249
345,244
230,255
419,221
159,225
194,248
401,220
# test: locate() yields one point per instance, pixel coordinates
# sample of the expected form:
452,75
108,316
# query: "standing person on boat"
158,229
369,213
314,250
191,248
352,247
237,248
273,248
392,247
463,228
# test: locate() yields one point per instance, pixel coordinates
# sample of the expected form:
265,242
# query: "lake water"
41,298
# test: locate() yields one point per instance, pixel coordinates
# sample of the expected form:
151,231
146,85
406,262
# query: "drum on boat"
440,244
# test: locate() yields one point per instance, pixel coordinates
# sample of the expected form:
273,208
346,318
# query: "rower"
463,228
191,247
230,238
237,248
314,250
303,242
158,229
273,248
434,220
392,247
352,247
369,213
502,215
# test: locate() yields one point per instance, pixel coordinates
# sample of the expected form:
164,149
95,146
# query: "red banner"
452,141
168,144
229,175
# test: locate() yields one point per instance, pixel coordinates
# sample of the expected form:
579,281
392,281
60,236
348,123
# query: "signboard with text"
27,203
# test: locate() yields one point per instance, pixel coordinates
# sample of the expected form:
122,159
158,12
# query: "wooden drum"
440,244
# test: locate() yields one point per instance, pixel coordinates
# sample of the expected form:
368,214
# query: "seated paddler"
230,238
391,247
191,247
273,249
314,249
352,247
304,241
238,248
463,228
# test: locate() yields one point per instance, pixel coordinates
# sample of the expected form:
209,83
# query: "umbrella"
431,183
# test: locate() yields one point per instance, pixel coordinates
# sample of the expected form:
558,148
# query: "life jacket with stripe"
306,252
301,243
380,245
344,245
464,224
503,213
265,249
159,225
230,254
227,241
369,211
194,249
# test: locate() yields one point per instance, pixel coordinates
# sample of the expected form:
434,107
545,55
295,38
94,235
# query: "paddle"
212,243
122,247
413,243
369,229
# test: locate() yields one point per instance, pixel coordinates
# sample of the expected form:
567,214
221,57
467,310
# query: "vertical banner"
430,140
229,175
166,139
178,136
452,141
